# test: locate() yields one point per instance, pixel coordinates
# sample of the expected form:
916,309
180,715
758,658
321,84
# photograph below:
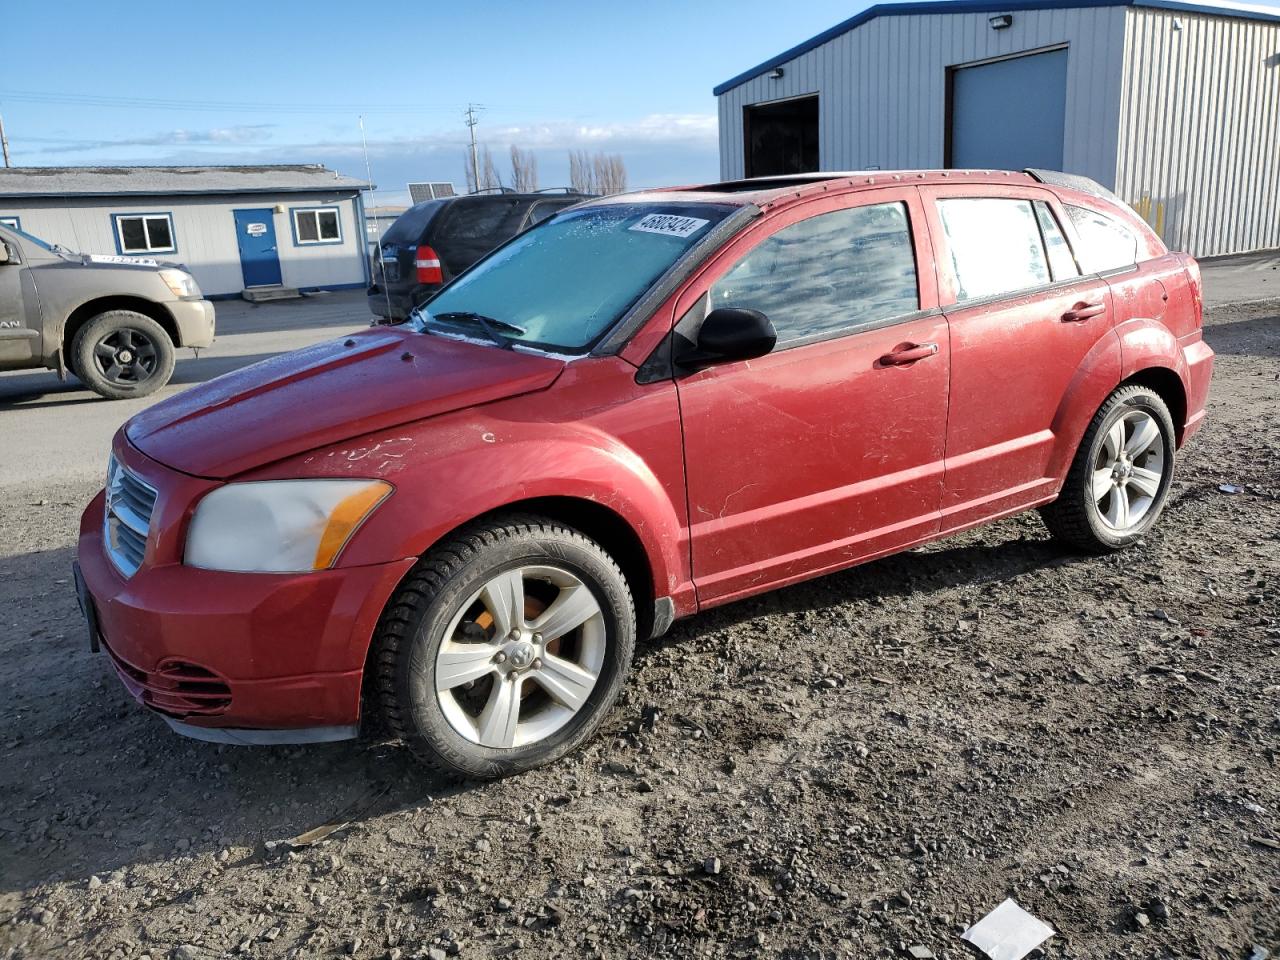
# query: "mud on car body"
645,406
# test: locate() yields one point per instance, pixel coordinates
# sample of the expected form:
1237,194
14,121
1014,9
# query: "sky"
281,81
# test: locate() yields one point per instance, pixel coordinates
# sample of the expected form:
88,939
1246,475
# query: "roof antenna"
373,195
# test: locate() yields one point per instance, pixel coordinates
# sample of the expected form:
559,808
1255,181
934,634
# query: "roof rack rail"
476,193
1073,181
554,189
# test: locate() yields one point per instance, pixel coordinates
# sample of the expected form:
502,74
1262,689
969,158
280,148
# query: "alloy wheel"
125,356
1128,470
520,657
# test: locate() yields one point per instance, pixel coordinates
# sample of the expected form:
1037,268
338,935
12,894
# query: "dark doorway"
781,138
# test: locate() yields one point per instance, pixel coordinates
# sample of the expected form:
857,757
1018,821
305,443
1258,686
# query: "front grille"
175,687
127,519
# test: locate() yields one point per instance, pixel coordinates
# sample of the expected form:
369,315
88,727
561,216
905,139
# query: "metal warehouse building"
235,228
1174,105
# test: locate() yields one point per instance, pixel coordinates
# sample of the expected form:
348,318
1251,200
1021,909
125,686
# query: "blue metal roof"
985,6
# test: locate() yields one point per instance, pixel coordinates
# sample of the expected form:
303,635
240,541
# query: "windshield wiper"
489,325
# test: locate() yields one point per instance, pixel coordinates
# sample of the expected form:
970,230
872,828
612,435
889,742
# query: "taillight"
427,262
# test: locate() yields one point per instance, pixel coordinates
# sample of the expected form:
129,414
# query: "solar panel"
430,190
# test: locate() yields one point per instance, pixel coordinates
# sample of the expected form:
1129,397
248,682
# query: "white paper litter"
1008,932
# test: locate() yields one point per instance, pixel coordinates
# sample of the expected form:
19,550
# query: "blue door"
1010,114
256,235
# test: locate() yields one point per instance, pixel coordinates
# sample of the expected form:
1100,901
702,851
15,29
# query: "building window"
145,233
13,223
316,225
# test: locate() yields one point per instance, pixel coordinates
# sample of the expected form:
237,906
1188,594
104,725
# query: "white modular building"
236,228
1173,105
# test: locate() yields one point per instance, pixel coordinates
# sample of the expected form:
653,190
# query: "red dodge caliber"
647,405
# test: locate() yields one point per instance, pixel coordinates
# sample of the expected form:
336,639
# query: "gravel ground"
848,768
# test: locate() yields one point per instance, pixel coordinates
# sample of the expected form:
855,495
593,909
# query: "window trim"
13,222
318,242
1044,240
118,233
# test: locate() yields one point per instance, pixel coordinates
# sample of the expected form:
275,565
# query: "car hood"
327,393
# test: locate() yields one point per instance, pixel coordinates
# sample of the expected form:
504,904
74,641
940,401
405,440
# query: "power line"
147,103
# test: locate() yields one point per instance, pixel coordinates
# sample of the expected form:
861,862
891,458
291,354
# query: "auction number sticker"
670,225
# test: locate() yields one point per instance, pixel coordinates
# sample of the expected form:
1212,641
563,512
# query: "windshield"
30,239
566,282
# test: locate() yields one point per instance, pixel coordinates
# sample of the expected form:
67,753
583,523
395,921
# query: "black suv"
434,241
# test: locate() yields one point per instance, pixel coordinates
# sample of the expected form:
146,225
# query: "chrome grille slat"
130,503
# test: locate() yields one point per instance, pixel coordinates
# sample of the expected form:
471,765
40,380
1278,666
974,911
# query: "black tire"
412,629
1075,518
144,355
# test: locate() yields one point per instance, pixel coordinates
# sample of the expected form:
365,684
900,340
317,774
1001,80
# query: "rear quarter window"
1105,242
408,228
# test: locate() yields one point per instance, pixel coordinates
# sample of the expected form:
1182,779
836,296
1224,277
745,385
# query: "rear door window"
1105,243
829,274
994,245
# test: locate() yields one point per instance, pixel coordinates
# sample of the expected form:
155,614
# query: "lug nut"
537,638
536,665
499,658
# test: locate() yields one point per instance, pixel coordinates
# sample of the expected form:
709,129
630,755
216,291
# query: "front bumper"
236,653
195,320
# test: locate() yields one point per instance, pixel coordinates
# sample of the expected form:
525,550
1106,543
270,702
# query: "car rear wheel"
122,354
1119,480
504,648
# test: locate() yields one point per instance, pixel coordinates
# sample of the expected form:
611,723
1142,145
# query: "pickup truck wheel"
504,648
1119,480
121,354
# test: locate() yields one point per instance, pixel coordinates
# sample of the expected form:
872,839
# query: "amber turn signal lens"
346,519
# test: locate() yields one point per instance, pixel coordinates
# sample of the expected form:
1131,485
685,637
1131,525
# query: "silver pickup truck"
114,322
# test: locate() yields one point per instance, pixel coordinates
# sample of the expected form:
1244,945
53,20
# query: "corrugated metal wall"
883,87
1199,145
204,228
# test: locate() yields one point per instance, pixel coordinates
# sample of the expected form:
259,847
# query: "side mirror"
730,333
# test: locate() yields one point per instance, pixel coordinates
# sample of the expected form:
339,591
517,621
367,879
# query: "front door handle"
909,353
1083,311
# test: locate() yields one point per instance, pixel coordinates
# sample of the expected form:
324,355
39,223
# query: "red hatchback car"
647,405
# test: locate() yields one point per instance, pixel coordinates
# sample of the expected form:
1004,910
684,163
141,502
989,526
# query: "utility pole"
471,121
4,142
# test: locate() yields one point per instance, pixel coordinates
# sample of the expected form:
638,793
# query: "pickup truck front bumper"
195,322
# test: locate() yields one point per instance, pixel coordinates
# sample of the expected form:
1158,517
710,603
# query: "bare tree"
524,170
581,172
610,173
488,177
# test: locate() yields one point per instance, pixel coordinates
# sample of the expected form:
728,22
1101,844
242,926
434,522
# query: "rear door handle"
1083,311
909,354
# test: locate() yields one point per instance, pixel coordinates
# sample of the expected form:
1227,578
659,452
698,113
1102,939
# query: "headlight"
180,282
279,526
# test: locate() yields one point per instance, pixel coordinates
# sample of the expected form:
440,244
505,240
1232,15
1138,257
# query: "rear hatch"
394,262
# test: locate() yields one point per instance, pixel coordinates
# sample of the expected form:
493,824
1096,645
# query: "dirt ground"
847,768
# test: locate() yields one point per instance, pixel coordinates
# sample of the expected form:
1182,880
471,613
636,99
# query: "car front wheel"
505,648
121,354
1119,479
